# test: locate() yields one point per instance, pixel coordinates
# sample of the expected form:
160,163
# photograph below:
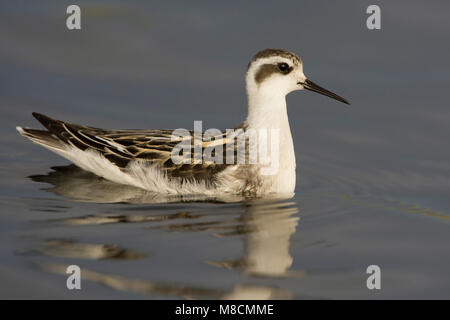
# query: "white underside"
137,174
233,180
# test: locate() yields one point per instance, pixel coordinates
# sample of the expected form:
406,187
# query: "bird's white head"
275,73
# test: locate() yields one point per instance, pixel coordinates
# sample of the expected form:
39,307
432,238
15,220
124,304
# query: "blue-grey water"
373,180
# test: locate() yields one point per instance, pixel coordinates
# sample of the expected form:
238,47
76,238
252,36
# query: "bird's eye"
283,67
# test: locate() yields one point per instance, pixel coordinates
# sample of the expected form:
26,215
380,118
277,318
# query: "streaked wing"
123,146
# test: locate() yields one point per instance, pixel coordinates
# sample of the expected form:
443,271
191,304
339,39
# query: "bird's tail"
42,137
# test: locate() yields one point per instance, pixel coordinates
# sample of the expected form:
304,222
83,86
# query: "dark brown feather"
124,146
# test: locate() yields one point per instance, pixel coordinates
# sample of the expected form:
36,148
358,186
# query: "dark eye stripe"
266,70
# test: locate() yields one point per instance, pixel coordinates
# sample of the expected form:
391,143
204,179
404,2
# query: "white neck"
267,110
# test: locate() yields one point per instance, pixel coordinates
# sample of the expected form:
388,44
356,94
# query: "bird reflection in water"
265,226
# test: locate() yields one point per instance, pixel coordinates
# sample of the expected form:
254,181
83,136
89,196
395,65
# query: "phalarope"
142,158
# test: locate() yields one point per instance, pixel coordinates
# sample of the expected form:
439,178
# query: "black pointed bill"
309,85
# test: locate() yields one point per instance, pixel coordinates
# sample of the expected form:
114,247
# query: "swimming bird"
145,158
